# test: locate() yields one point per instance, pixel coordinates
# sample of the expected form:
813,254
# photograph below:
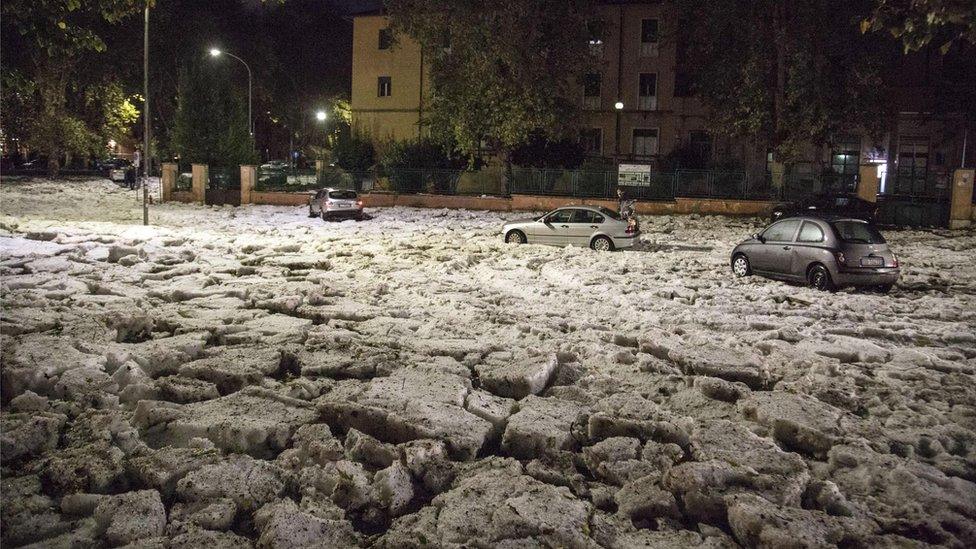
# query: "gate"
224,187
911,200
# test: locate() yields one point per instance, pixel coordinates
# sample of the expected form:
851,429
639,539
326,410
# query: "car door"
582,225
809,248
554,229
774,253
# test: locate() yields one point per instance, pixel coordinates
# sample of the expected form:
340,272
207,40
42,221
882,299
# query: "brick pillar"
961,206
249,177
201,175
168,180
868,183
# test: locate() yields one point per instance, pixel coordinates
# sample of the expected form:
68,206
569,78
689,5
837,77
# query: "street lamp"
214,52
619,106
320,116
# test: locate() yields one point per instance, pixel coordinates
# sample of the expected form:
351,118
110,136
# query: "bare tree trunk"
507,174
780,21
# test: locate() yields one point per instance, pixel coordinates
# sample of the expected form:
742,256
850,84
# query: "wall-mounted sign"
634,175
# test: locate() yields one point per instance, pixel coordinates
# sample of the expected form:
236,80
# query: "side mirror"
758,237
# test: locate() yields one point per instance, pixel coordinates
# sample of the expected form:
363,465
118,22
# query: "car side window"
561,216
782,231
584,216
810,233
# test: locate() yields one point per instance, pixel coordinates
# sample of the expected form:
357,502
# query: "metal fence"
296,180
664,186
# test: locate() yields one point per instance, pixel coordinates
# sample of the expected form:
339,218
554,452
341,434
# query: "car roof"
330,189
580,207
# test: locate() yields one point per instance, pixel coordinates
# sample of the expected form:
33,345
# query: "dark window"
384,86
591,139
782,231
591,85
649,38
560,216
610,213
386,39
595,31
648,31
645,141
857,232
647,96
343,195
810,232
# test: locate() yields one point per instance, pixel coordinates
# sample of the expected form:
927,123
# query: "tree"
798,73
499,69
50,39
918,23
210,125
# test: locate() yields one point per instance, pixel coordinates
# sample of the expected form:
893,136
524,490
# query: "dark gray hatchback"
825,253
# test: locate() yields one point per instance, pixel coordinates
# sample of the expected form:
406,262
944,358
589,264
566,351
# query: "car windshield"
857,232
343,195
610,213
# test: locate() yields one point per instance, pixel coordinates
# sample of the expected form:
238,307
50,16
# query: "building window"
649,38
386,39
591,140
595,30
846,155
647,96
384,86
645,141
591,91
913,164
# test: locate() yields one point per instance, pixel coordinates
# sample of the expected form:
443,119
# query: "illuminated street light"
214,52
619,105
320,116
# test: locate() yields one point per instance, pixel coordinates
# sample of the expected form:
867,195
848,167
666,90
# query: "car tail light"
840,257
359,203
631,227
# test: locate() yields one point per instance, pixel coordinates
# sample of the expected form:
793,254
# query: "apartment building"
638,107
635,43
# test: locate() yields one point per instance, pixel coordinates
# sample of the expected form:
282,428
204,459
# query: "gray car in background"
599,228
332,203
826,253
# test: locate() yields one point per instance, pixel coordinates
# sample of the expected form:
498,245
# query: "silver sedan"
599,228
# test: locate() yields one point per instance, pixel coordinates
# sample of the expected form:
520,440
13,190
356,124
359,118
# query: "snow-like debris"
249,376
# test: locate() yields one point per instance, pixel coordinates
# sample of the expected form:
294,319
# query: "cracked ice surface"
248,376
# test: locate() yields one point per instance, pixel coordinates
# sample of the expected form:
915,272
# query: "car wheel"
741,266
602,244
819,278
515,237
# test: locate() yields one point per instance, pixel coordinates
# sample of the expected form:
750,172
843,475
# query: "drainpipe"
620,68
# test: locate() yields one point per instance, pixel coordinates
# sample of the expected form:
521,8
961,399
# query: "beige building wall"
396,116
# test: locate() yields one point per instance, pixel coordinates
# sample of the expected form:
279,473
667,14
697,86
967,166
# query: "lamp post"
214,52
145,152
619,106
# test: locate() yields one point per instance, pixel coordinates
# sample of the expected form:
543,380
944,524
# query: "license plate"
872,262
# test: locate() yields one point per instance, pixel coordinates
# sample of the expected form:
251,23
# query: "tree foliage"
918,23
799,73
211,125
50,40
499,69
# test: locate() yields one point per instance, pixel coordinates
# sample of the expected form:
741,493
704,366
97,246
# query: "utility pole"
147,158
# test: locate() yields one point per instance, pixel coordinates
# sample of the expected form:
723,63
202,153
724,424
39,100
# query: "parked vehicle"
841,205
330,203
117,169
599,228
825,252
275,165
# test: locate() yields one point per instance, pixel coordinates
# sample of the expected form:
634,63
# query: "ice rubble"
236,377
